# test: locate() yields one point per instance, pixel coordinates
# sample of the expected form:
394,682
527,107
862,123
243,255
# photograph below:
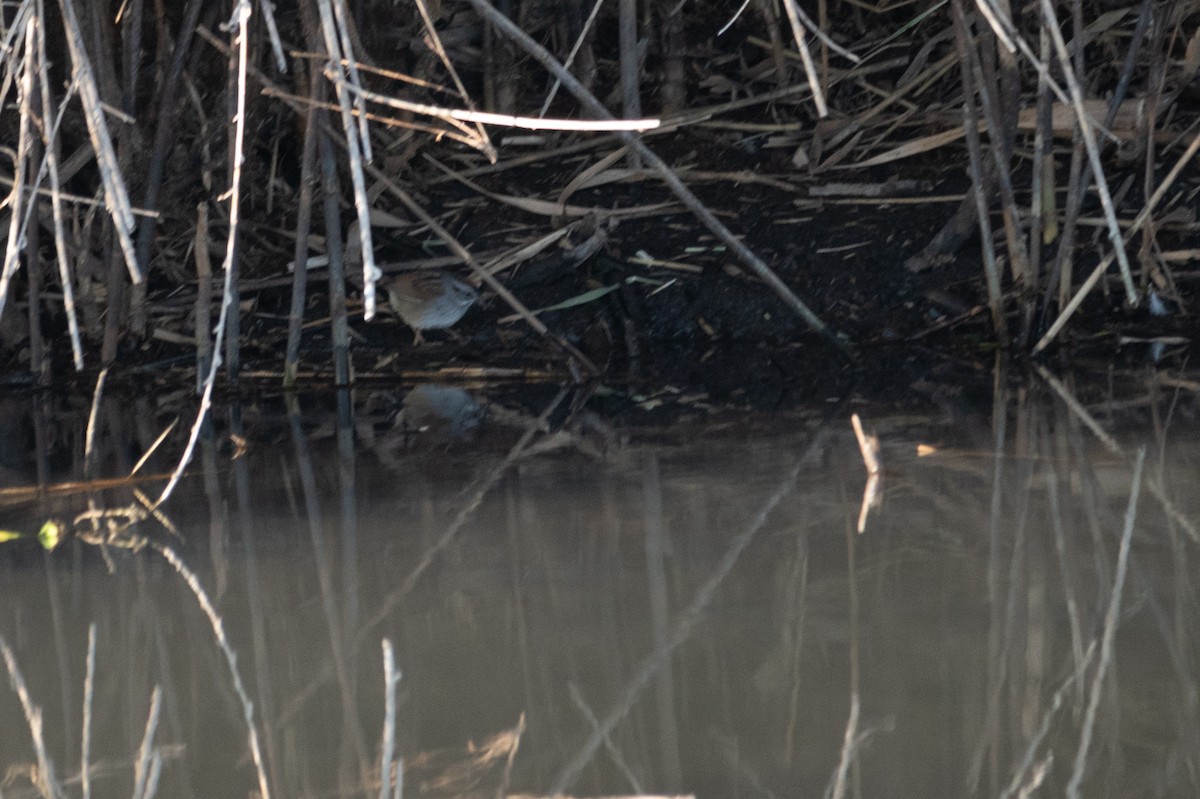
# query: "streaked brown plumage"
429,300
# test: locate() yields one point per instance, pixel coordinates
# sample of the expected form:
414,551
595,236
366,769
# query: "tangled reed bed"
168,169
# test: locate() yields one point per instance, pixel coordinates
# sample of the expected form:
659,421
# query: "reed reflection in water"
696,618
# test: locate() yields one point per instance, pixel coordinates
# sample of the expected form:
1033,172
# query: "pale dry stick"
1093,151
16,226
239,22
46,783
116,197
89,692
685,195
1106,261
685,623
355,147
141,765
570,60
342,29
50,138
1110,631
453,115
810,69
390,677
218,628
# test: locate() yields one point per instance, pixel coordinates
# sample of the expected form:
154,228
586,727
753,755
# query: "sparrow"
429,300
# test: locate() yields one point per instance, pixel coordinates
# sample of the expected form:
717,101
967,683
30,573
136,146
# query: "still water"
580,611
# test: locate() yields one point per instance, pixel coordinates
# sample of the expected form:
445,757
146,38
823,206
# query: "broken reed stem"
670,178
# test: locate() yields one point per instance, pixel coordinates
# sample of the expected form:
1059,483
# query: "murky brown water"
677,618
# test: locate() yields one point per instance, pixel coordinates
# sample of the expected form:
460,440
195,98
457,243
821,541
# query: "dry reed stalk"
795,15
115,194
333,30
50,141
21,164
